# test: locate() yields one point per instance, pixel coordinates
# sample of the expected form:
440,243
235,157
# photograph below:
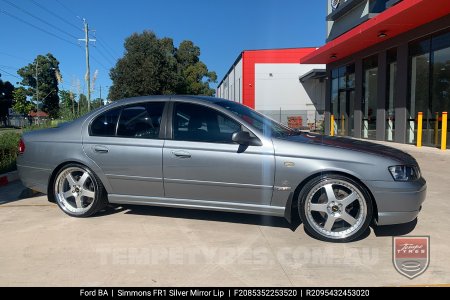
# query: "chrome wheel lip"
76,189
340,205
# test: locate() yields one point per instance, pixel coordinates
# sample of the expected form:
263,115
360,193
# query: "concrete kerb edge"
9,177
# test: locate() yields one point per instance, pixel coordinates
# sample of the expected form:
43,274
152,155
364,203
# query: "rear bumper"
398,202
34,178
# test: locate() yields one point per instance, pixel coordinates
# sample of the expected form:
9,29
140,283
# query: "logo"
411,255
335,4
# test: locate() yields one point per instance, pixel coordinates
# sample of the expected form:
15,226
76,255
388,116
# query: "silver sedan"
215,154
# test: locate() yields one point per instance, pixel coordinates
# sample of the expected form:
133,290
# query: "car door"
126,143
201,162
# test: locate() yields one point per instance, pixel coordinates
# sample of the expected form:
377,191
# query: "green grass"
9,139
8,150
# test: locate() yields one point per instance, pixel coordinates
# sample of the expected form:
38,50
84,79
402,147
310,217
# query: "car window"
264,124
141,120
199,123
105,124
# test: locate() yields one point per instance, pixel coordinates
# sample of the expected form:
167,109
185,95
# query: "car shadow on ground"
205,215
240,218
395,230
16,192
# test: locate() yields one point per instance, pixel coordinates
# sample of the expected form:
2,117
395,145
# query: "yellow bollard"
332,125
343,124
436,130
419,129
444,131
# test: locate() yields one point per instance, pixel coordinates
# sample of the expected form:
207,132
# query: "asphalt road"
150,246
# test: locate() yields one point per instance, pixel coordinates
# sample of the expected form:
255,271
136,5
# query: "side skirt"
198,204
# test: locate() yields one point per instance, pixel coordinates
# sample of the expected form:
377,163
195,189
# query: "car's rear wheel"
78,191
335,208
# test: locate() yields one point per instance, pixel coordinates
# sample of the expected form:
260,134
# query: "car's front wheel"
335,208
78,191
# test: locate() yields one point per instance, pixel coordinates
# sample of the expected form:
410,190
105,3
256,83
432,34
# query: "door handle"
101,149
181,154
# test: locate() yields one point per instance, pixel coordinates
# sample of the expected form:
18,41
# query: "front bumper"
398,202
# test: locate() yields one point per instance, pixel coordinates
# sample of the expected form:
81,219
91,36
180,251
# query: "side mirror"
244,138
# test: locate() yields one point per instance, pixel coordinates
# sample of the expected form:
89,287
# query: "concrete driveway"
151,246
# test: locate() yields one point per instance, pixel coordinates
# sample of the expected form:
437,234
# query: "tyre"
78,191
335,208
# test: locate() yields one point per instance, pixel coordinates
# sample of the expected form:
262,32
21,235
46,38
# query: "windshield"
264,124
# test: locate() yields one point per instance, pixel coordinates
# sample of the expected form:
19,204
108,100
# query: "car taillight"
21,146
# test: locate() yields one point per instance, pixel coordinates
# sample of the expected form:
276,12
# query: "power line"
40,19
36,27
68,9
55,15
13,56
100,63
10,74
103,55
8,67
108,49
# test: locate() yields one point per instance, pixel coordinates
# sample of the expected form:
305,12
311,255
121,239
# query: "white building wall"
278,86
231,86
280,94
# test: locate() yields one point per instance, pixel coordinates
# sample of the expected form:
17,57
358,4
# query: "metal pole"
444,131
436,130
37,86
332,125
88,72
419,129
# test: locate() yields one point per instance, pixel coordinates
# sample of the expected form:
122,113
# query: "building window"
370,96
429,81
390,93
342,99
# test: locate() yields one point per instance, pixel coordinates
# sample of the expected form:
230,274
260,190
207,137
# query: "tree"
195,74
67,106
21,104
6,97
96,103
152,66
82,105
44,71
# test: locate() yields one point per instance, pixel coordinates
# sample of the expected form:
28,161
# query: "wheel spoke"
68,194
83,179
88,193
329,223
348,218
78,201
330,192
349,199
318,207
71,180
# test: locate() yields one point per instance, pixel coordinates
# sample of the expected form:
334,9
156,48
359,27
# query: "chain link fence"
311,120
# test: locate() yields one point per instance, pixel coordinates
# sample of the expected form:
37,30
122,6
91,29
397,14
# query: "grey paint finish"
217,172
218,176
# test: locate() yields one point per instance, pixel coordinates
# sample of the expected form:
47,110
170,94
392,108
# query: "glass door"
369,101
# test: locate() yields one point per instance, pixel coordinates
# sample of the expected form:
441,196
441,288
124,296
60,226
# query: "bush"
8,151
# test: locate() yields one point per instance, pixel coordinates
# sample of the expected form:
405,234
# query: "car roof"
193,98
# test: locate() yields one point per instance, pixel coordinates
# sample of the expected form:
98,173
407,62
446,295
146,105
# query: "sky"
221,28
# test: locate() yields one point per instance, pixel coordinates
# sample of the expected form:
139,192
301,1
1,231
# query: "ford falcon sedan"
214,154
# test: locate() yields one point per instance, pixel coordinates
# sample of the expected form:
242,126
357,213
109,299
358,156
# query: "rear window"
105,124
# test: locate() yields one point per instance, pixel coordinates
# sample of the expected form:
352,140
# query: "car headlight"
404,173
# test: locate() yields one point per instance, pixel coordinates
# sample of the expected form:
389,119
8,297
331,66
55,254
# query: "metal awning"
313,74
398,19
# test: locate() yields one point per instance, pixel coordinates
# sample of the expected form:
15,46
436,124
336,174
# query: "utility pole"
37,86
86,41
